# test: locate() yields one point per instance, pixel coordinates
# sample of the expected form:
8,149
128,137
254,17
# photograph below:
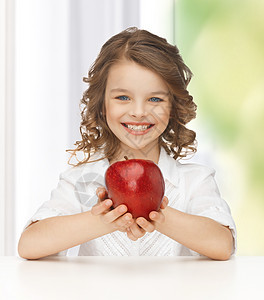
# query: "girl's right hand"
117,218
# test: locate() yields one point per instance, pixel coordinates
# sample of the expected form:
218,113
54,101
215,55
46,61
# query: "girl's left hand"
141,225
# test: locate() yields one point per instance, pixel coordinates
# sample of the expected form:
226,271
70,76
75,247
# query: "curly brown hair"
156,54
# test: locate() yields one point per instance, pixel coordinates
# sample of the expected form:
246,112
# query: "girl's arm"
55,234
200,234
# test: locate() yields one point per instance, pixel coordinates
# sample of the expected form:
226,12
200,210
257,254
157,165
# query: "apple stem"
126,158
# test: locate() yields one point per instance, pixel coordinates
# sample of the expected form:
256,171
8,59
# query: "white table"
131,278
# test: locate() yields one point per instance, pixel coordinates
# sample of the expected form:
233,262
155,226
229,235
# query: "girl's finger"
101,193
101,207
122,229
112,215
137,231
124,221
146,225
130,235
164,203
157,216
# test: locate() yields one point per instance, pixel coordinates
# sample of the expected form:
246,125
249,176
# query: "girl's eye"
122,98
155,99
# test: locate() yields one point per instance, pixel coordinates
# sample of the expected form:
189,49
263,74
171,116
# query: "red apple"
138,184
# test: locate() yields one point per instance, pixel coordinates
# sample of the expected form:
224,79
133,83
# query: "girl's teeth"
138,128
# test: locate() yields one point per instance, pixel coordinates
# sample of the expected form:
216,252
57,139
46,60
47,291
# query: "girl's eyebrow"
159,93
119,90
165,93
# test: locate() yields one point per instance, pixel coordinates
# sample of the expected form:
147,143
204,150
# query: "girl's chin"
128,146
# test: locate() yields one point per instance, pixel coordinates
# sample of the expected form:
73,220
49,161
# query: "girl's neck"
152,153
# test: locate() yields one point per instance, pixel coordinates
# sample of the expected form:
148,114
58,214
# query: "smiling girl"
136,105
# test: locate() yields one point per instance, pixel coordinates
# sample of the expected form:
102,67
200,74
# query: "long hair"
156,54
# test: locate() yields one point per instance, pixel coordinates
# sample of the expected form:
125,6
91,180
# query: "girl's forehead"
124,63
129,73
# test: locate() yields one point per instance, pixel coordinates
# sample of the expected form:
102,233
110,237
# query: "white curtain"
50,46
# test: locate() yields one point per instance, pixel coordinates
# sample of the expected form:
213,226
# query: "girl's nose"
138,109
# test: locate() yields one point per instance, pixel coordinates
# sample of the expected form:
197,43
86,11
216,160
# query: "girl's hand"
141,225
117,218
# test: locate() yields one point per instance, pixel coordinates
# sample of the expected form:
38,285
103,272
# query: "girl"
137,104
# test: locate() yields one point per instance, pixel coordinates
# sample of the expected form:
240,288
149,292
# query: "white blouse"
190,188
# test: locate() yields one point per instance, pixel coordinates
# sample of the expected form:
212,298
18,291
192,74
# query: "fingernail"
153,216
108,202
122,209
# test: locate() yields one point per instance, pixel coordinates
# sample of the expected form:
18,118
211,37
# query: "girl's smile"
138,128
137,106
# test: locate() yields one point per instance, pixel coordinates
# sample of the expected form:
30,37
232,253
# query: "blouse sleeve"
205,200
63,201
75,192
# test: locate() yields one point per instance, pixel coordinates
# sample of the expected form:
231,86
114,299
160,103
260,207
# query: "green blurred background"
223,43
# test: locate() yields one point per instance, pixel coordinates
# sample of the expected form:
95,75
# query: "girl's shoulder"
195,176
195,169
176,170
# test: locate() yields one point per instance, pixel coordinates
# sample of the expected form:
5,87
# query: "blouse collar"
168,166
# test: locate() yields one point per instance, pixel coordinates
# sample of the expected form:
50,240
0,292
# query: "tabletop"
86,277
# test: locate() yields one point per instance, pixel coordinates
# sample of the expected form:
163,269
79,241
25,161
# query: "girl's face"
137,105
